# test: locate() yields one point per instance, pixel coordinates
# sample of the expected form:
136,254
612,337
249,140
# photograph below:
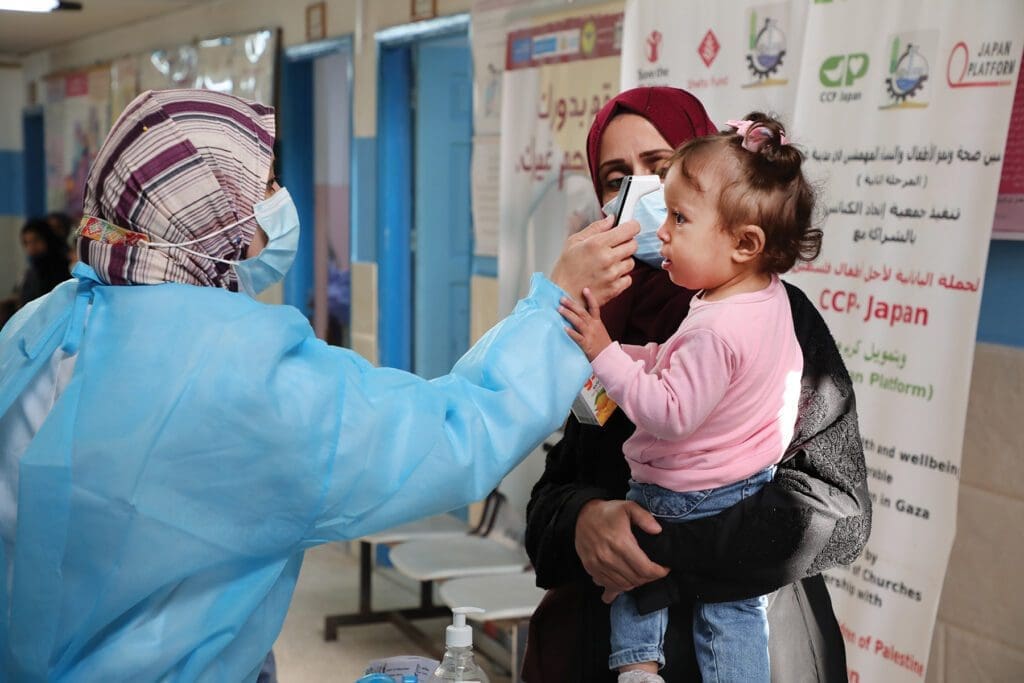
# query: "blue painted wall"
12,185
1002,299
34,164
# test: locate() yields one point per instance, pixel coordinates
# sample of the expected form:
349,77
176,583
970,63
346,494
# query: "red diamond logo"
708,48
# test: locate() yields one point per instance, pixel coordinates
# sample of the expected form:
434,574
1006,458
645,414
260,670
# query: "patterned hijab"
652,308
177,166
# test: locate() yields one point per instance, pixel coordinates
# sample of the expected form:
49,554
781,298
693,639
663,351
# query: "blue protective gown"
204,440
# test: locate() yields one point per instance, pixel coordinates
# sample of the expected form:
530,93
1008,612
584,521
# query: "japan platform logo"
990,64
766,44
907,79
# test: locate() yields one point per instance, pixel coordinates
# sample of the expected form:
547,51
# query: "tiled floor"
329,583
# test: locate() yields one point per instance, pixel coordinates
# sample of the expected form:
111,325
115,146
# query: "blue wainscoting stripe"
1002,299
485,266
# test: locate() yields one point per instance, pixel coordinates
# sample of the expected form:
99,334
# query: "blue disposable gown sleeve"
408,447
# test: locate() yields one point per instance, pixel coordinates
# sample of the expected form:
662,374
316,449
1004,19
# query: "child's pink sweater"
715,403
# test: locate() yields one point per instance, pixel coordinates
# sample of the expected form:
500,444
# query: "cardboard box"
593,405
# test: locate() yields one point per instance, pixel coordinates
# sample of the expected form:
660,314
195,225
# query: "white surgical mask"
650,212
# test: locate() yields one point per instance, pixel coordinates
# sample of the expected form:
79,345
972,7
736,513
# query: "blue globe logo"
908,74
769,47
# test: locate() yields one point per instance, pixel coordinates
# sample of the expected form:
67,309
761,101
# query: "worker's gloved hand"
598,257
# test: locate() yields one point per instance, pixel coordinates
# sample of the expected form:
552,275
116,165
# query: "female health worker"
169,446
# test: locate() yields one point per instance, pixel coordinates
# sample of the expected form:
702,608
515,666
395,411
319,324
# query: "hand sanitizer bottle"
458,663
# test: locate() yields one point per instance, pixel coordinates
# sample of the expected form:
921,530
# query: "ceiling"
24,32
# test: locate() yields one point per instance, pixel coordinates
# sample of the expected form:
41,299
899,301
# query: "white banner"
489,27
887,116
903,110
736,57
557,76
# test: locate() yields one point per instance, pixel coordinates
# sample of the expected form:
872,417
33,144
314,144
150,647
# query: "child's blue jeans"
730,638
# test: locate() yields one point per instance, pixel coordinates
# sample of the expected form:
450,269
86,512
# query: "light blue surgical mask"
280,221
650,212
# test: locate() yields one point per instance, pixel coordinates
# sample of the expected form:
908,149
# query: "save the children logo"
766,44
991,64
653,43
657,74
907,78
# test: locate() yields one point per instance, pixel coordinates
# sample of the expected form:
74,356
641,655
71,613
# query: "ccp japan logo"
653,43
839,71
767,48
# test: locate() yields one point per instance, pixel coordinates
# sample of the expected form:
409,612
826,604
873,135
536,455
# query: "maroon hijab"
652,308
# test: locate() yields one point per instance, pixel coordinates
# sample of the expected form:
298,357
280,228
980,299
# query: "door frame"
396,180
297,85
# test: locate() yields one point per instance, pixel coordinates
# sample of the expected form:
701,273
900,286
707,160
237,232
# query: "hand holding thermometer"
593,405
633,187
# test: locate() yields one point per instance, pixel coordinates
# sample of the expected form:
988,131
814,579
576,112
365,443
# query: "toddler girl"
714,406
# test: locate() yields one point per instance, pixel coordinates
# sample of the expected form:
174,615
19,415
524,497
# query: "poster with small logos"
77,113
902,109
559,71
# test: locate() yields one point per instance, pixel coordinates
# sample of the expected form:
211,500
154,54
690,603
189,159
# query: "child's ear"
749,243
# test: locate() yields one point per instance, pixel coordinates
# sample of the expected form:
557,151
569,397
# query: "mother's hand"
598,257
608,549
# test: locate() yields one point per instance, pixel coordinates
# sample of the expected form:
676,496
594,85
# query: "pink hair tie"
755,134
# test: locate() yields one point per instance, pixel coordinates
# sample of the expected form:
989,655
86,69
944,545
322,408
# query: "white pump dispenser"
460,634
458,663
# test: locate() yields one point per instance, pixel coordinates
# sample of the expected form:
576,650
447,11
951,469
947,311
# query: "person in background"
586,541
46,253
61,225
170,446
